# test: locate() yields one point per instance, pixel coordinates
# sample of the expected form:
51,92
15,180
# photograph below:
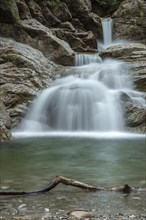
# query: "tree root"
61,179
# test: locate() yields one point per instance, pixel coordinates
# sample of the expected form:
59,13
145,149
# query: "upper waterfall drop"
107,26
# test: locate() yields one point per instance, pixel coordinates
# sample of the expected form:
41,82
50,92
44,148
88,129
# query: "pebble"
78,214
47,210
22,209
120,216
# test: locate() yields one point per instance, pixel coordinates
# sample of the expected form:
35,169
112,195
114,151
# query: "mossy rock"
9,11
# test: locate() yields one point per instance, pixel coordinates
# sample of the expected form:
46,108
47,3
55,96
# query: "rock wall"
39,37
130,20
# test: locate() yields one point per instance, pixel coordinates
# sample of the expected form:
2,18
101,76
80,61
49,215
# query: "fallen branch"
60,179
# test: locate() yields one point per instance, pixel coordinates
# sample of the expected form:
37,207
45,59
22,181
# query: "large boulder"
135,115
35,34
130,20
79,41
43,39
24,72
33,13
82,10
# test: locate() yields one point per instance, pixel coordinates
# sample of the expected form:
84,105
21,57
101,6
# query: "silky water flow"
86,100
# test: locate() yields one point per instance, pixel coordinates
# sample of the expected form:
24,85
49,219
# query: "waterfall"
84,59
107,26
86,100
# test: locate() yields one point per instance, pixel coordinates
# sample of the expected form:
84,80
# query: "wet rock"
126,51
82,11
129,21
140,82
52,47
135,55
67,26
51,19
25,63
61,12
23,9
35,34
89,39
135,115
24,71
9,12
36,11
5,122
77,24
79,42
79,214
130,8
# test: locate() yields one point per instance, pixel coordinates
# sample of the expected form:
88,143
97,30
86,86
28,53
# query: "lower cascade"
88,99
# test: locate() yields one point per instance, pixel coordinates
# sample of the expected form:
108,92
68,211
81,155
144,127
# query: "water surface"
28,163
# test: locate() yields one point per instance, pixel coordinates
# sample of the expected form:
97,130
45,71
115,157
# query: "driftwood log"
61,179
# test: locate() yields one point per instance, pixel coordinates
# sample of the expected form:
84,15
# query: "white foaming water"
107,27
84,59
87,100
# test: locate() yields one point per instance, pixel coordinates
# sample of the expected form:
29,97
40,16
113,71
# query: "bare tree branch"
61,179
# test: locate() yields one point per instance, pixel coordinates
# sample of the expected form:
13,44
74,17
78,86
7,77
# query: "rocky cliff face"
130,20
37,37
